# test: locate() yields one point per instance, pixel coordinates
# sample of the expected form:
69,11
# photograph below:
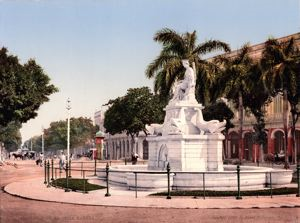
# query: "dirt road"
15,209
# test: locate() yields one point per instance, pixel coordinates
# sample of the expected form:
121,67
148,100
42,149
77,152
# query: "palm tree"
280,64
166,69
234,82
256,101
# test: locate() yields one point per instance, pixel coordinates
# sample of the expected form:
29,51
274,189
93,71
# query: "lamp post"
68,130
43,147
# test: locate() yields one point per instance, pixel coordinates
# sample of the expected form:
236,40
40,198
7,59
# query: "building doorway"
234,145
248,145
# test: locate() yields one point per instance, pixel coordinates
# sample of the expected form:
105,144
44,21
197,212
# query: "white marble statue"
212,126
185,89
176,125
154,129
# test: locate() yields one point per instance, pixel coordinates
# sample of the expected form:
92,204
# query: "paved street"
15,209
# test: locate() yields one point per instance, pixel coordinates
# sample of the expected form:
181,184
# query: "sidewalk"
35,189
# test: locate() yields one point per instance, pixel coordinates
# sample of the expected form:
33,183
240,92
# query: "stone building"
274,124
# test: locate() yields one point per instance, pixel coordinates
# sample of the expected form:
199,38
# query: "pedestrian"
41,159
62,160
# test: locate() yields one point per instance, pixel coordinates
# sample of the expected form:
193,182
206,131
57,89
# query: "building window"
145,150
277,108
234,144
248,145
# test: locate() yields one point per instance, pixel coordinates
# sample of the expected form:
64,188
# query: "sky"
94,50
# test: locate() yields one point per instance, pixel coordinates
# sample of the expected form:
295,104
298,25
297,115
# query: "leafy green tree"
23,88
280,65
219,111
234,81
133,111
82,131
166,69
11,136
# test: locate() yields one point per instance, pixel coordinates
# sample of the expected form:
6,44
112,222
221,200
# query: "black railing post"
95,167
52,166
298,180
107,180
45,168
168,174
238,197
84,187
70,168
48,174
67,178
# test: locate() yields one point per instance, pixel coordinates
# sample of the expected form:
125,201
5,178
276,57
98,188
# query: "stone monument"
185,140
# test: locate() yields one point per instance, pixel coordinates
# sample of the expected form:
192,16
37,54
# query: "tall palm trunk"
295,116
241,122
285,117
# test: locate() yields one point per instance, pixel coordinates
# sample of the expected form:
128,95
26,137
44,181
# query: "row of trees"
82,133
250,84
23,89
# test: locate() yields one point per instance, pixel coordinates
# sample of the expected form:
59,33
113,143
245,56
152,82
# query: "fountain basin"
251,178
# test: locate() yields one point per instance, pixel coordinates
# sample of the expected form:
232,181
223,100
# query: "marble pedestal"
186,152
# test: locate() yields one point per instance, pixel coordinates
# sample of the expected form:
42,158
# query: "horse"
29,155
18,155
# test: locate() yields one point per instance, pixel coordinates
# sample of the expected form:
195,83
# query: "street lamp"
68,131
43,149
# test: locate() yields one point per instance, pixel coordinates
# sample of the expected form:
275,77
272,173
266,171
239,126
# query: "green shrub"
76,184
209,193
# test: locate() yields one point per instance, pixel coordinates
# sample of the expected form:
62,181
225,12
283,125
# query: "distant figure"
134,158
62,160
40,160
281,153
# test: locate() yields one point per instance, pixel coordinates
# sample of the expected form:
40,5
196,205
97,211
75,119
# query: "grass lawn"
209,193
76,184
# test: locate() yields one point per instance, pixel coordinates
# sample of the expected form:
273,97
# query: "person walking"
62,161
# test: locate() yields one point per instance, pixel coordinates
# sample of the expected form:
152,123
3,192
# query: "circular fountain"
192,147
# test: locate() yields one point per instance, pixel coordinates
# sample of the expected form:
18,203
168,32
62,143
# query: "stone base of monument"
186,152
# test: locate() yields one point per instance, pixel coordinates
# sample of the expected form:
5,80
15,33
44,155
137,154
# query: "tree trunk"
293,130
241,121
262,160
285,117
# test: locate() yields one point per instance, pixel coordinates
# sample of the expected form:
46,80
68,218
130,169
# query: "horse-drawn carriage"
19,154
